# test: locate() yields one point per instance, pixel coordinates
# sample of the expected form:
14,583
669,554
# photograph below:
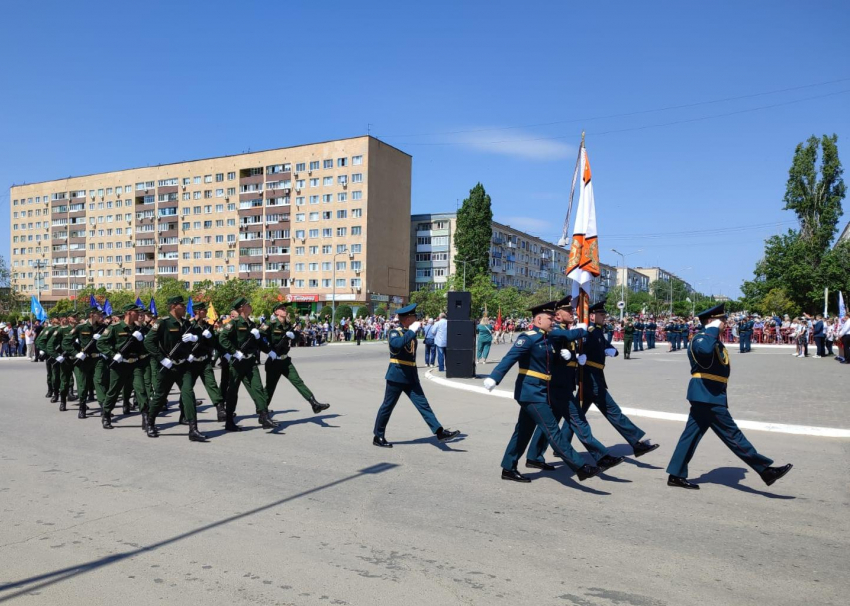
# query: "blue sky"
496,92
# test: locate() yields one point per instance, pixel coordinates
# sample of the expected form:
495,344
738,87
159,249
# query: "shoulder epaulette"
530,332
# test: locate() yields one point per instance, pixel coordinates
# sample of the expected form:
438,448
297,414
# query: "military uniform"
41,344
201,364
628,338
122,351
710,370
651,327
52,345
639,328
80,341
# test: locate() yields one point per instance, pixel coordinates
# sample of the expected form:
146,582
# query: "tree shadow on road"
731,477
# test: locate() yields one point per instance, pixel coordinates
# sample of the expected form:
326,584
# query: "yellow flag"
211,315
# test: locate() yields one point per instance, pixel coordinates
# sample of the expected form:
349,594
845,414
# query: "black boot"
49,393
194,434
318,406
444,435
106,420
266,421
145,423
82,413
230,424
126,408
63,404
220,412
55,397
182,420
151,428
72,397
134,405
382,442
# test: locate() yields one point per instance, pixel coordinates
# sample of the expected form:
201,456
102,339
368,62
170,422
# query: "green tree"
474,232
325,312
10,299
381,311
362,312
343,311
511,301
223,295
778,302
263,300
430,301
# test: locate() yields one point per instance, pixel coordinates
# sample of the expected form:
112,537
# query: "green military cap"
175,300
130,307
94,309
239,303
279,306
199,306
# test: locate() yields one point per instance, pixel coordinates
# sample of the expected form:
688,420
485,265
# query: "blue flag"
153,307
93,303
37,310
190,309
139,302
107,307
841,308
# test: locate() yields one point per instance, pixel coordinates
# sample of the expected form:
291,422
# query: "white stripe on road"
802,430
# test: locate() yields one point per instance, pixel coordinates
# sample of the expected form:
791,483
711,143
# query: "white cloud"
517,144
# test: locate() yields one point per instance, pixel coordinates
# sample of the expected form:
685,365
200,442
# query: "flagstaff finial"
582,138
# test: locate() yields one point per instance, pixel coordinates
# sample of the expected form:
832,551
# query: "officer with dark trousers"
639,329
651,327
596,389
81,341
534,352
64,357
51,346
403,378
278,335
41,347
710,371
201,356
121,346
562,394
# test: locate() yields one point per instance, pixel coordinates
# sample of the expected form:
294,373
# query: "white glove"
80,356
611,352
582,359
227,357
290,335
191,358
207,334
167,362
272,355
138,336
239,356
581,325
96,336
60,359
41,352
118,358
415,326
489,384
189,338
256,333
566,354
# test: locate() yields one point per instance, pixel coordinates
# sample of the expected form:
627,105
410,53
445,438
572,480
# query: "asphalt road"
312,513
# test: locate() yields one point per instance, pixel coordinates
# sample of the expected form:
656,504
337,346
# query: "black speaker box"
460,334
460,363
459,306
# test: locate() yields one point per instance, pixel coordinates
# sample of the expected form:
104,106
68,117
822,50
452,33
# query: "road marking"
802,430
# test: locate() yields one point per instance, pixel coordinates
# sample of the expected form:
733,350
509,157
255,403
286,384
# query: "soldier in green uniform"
201,357
241,340
101,369
628,336
148,363
638,334
710,371
79,342
121,344
224,362
278,336
63,359
51,346
41,345
170,341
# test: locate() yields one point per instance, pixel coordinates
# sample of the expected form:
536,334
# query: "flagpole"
566,231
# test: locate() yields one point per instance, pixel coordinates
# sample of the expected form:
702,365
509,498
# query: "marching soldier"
628,337
710,371
241,340
668,333
169,342
651,327
201,358
279,335
63,360
562,396
596,389
534,352
402,377
121,345
79,341
639,328
41,343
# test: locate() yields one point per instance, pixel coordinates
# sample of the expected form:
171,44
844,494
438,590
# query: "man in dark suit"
819,334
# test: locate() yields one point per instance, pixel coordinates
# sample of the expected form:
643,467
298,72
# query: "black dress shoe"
318,406
382,442
194,434
82,413
220,413
444,435
539,465
63,404
514,476
681,483
266,421
641,448
145,423
106,421
586,471
55,398
771,474
607,462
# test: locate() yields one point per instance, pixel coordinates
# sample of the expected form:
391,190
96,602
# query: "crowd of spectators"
16,339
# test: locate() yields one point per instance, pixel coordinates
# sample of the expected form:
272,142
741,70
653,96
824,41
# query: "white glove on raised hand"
80,356
256,333
581,325
60,359
190,338
566,354
611,352
272,355
415,326
582,359
290,335
191,358
138,336
96,336
489,384
118,358
239,356
167,362
207,334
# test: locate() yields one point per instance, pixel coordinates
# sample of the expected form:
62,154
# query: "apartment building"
320,222
516,258
632,280
657,273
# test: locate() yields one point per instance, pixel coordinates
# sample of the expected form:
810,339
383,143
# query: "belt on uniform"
595,365
130,360
572,364
402,362
143,356
201,359
535,374
710,377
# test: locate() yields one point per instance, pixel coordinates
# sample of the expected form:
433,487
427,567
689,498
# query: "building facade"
320,222
516,258
632,280
657,273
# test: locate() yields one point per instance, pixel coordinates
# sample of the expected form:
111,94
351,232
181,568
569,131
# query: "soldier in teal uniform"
710,371
638,335
562,394
596,389
651,327
402,377
534,352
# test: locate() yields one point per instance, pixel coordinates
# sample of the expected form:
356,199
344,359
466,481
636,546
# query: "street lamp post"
671,288
623,291
465,261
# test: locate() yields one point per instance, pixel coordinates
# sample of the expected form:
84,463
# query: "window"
231,176
356,248
314,199
207,178
314,165
342,196
327,232
326,249
313,266
340,265
357,160
356,265
299,234
299,267
342,180
314,233
328,181
357,195
327,198
341,248
314,216
357,178
315,182
219,177
356,213
355,282
299,217
356,230
328,164
341,162
219,193
299,184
